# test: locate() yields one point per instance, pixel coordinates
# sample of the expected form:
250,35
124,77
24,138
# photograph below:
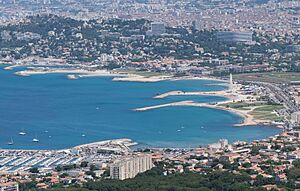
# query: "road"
279,95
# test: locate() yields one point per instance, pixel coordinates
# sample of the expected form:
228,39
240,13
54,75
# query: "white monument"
231,85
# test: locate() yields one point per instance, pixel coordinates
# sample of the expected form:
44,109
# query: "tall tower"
231,88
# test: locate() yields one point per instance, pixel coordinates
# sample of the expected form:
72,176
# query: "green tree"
34,170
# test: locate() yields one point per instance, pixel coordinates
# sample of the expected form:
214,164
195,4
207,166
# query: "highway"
279,95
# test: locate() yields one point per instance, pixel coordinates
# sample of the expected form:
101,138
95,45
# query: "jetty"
182,93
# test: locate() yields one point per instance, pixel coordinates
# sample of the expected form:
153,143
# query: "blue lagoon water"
58,111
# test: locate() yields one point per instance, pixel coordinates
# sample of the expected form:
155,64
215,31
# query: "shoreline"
85,72
79,73
248,119
74,74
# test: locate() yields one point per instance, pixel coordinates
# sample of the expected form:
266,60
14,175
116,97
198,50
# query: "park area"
271,77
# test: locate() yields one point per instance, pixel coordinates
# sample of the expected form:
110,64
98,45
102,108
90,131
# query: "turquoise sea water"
58,111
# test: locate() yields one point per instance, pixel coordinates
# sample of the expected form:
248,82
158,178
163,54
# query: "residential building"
9,186
129,168
229,36
157,28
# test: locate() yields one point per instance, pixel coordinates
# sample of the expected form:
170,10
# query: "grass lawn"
265,115
241,105
268,108
266,112
273,77
261,111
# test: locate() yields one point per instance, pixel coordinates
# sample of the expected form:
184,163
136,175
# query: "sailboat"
11,142
22,132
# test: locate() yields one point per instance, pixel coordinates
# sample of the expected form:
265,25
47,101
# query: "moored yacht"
22,132
35,140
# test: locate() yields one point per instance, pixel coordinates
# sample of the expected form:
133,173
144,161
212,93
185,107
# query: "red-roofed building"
9,186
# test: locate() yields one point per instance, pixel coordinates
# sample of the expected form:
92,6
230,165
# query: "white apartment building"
129,168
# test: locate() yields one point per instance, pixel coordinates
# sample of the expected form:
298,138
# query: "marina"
16,161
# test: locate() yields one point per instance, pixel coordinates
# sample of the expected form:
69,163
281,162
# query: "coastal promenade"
181,103
181,93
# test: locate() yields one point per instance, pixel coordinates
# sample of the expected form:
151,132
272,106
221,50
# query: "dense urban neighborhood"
145,46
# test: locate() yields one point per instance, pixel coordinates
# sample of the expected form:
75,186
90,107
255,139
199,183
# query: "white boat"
82,135
35,140
22,132
72,77
11,142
